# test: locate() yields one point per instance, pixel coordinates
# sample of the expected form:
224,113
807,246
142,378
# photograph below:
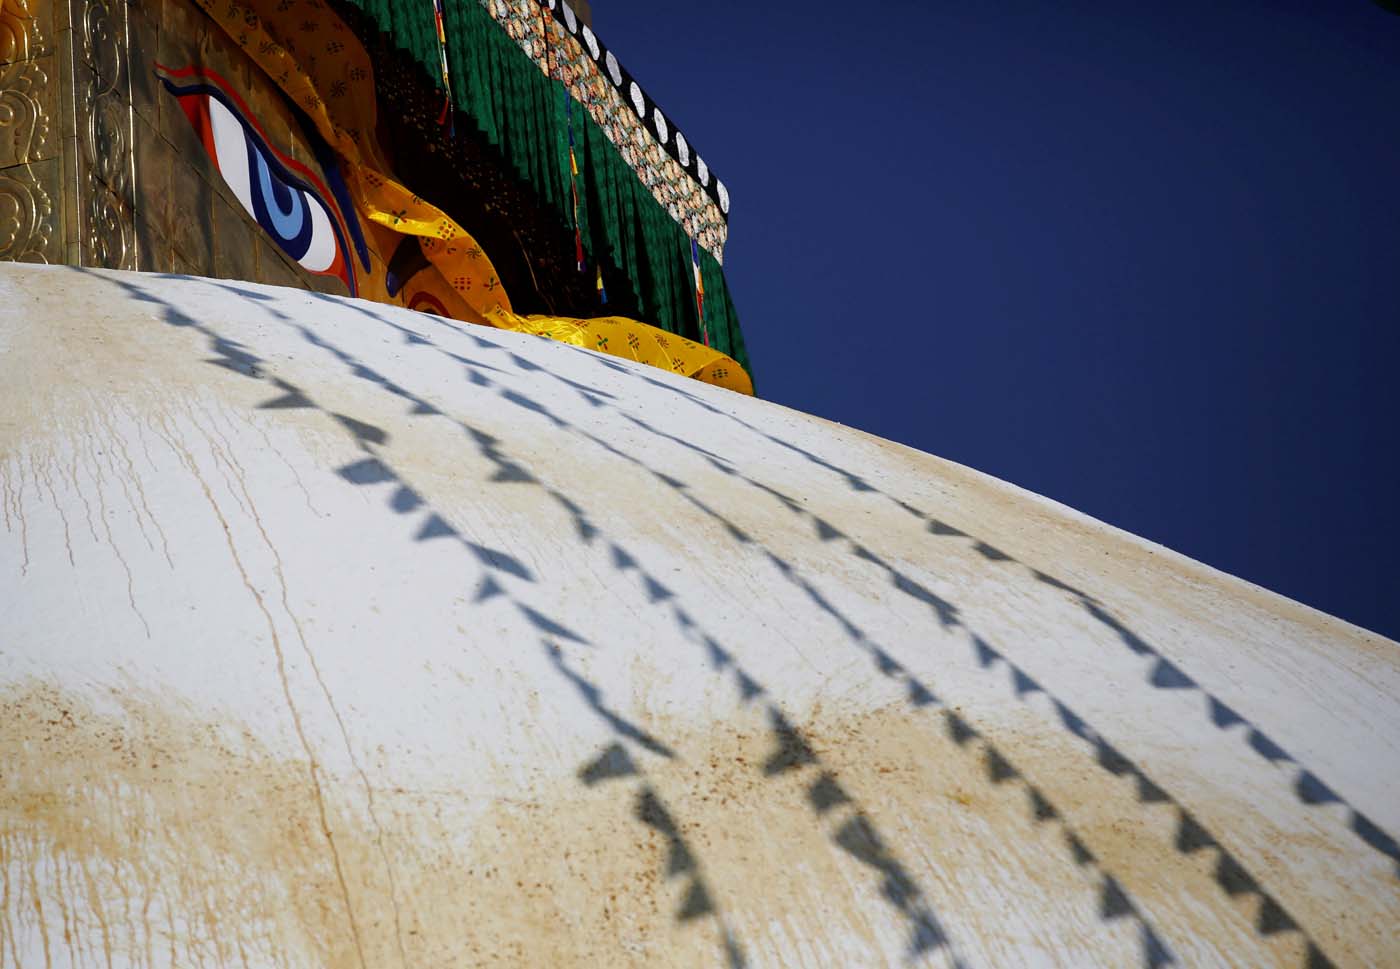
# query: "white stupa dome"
339,635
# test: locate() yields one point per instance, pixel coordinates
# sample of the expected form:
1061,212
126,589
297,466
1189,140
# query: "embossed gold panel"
28,215
30,175
26,30
28,104
103,123
67,168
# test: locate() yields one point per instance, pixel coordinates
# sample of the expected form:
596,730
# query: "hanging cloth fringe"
445,118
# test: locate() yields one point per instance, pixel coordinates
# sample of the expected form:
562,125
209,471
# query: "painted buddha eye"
287,199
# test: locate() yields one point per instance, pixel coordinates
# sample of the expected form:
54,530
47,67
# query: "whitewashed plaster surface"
337,635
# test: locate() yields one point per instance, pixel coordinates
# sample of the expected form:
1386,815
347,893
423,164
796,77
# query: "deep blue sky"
1141,258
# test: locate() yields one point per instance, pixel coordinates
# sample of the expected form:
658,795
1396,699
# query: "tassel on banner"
573,178
446,118
579,259
699,291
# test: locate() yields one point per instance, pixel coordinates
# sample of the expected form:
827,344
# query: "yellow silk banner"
317,61
626,338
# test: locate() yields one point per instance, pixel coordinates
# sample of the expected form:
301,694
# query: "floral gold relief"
26,214
102,97
28,190
24,119
21,31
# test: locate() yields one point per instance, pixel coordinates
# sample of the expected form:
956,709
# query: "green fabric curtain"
523,114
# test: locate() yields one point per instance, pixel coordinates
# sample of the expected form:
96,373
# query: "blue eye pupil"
281,207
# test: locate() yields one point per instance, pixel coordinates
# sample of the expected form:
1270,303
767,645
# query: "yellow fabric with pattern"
317,61
626,338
